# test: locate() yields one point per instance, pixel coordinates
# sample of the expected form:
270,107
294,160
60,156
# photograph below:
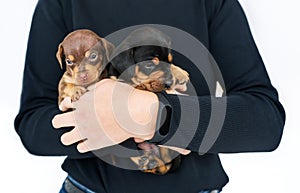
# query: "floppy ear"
109,48
112,72
60,54
123,60
124,63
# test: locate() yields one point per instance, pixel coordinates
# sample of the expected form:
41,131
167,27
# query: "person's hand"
66,104
107,115
178,149
174,91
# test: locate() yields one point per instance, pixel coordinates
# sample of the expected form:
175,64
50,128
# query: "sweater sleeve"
254,117
40,91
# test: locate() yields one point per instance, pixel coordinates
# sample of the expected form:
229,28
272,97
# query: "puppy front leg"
69,90
77,92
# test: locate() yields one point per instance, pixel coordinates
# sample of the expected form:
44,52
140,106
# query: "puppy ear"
60,54
124,63
109,48
112,72
123,60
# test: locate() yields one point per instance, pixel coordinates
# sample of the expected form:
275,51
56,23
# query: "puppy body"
85,55
144,60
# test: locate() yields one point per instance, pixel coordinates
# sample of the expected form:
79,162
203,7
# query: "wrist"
164,117
143,106
133,110
143,109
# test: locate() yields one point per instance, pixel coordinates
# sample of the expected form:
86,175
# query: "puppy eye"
69,62
93,56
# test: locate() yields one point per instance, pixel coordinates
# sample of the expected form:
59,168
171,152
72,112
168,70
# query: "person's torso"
106,17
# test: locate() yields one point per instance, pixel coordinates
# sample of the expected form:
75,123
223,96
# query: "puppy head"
85,55
146,64
152,68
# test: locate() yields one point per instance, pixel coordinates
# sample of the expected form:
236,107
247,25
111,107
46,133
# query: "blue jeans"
77,184
86,190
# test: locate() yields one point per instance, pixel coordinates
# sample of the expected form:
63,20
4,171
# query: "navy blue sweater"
254,117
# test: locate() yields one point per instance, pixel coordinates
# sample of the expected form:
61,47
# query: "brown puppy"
144,60
85,55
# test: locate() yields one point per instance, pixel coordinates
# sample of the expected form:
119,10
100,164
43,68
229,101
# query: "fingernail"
55,123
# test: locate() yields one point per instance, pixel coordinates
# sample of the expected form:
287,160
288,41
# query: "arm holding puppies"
106,126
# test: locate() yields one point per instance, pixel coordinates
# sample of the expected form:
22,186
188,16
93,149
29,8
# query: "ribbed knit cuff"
163,119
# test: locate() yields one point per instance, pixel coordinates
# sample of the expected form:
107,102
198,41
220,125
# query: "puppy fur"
85,56
144,60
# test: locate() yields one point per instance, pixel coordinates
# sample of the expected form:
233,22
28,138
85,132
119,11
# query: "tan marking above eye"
170,58
87,54
71,57
155,60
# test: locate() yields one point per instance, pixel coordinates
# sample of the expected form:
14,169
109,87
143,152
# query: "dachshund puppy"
144,60
85,56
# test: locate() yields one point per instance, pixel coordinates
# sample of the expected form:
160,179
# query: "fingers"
71,137
171,91
175,91
82,147
179,150
66,104
74,136
138,140
64,120
147,146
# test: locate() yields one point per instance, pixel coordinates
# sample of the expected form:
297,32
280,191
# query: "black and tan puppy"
85,55
144,60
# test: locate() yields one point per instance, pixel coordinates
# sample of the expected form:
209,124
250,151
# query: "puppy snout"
83,75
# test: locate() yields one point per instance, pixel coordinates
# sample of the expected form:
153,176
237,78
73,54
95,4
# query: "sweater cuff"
164,117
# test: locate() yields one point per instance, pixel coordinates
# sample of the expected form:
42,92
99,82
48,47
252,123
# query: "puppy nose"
83,76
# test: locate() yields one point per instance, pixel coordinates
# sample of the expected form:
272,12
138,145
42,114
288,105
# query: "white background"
275,27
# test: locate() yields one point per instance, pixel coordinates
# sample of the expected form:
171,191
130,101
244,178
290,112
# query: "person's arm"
109,114
254,117
41,76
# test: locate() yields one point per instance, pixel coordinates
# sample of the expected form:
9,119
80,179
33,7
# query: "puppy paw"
180,75
157,86
149,162
77,92
154,159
